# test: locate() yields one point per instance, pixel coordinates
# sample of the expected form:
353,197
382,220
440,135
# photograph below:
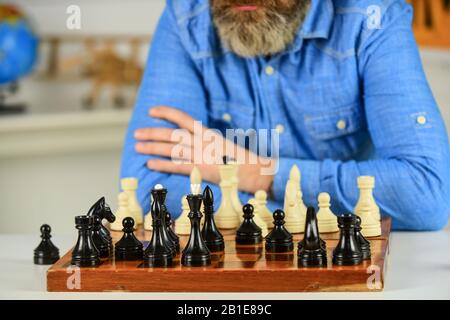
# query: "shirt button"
226,117
421,120
279,128
341,124
270,70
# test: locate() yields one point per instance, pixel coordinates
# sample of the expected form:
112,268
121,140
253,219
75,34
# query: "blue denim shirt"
351,99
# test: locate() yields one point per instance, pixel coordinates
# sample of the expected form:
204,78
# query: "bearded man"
337,84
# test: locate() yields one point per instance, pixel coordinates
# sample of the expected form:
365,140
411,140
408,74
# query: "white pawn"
121,213
326,218
257,217
183,224
367,209
264,212
129,186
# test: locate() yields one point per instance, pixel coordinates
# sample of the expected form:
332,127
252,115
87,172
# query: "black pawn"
101,243
249,232
196,253
160,195
311,252
348,251
128,247
211,235
46,252
363,242
157,253
85,254
279,239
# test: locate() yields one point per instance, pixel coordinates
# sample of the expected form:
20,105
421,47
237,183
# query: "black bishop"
211,235
311,250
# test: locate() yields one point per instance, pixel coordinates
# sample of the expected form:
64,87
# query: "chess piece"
257,217
367,209
327,219
128,247
363,242
227,217
158,253
129,186
183,224
311,252
85,254
235,201
100,242
148,222
162,194
348,251
196,253
211,235
46,252
121,213
159,195
261,207
279,239
101,209
172,235
294,208
248,233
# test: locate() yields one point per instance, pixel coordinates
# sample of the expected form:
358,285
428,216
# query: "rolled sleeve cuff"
310,179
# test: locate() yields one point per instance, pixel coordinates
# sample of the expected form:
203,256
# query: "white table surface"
418,268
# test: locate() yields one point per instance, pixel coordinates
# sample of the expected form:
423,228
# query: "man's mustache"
275,5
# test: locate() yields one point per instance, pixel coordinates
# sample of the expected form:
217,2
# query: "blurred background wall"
63,153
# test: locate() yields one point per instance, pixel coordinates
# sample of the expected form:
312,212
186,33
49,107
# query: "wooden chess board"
239,269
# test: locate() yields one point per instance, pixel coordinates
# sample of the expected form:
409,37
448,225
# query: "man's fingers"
170,166
180,118
154,134
169,150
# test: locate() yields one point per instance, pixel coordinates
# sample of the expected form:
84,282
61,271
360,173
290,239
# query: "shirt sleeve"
411,166
170,79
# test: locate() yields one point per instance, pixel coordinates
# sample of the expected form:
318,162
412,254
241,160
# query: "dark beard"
266,31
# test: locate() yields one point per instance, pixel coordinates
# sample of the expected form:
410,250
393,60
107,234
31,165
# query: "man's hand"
183,154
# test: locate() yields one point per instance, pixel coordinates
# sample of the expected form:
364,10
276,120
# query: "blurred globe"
18,45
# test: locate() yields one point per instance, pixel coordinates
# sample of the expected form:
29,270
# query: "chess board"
238,269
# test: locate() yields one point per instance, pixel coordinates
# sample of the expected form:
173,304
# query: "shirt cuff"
310,179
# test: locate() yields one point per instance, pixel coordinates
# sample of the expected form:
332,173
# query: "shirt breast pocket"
227,115
336,134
